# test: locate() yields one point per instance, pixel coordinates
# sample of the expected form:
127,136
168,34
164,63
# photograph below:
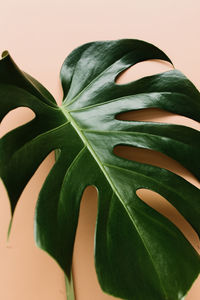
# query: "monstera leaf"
139,254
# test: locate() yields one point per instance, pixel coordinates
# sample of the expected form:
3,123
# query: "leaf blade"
85,130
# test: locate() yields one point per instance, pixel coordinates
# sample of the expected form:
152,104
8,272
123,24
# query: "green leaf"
139,253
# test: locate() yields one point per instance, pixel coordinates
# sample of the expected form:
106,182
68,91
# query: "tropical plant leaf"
139,253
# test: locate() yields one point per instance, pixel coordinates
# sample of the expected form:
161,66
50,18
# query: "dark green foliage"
139,254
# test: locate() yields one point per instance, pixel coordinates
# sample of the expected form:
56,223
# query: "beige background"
39,35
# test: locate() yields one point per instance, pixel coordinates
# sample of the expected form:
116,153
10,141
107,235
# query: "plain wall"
39,35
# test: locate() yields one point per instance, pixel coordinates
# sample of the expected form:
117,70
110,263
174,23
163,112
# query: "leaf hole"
142,69
15,118
154,158
36,263
161,205
159,116
84,244
25,210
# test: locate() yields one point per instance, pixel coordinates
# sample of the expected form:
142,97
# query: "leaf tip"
9,229
4,53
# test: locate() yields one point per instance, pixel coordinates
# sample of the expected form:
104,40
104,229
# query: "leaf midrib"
94,155
89,146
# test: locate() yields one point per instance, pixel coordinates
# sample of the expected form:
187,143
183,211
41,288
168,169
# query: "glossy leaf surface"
139,253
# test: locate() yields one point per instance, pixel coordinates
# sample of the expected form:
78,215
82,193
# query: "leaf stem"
70,292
